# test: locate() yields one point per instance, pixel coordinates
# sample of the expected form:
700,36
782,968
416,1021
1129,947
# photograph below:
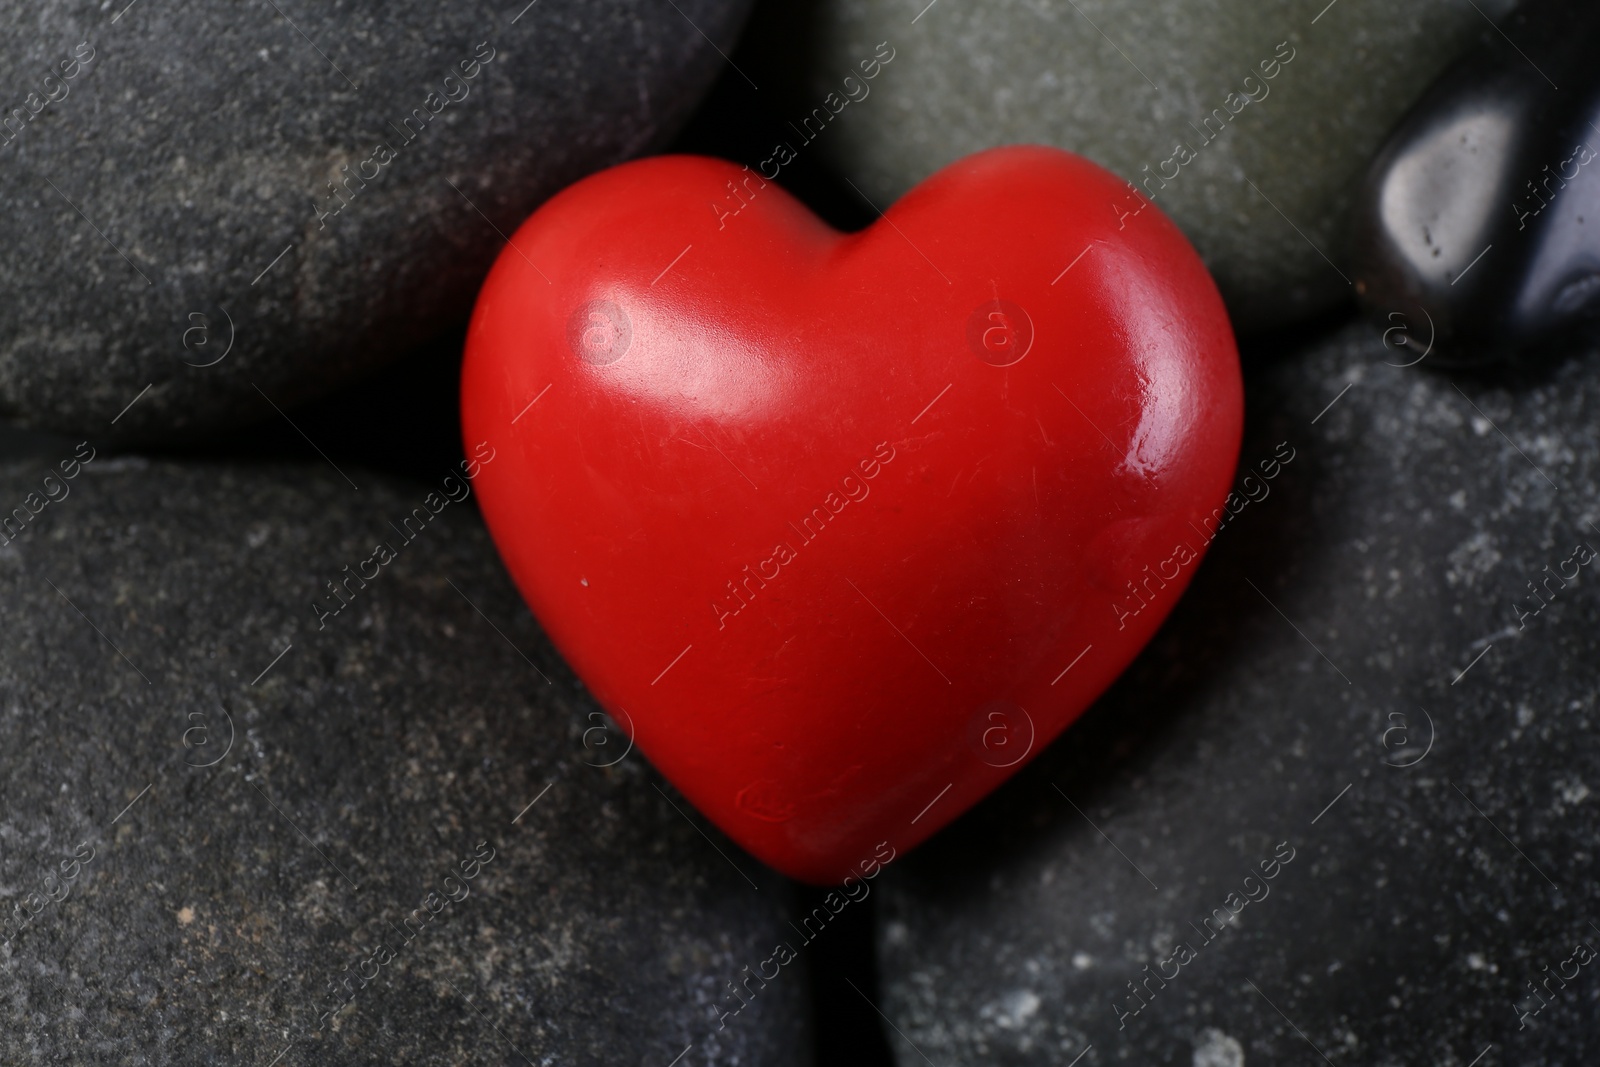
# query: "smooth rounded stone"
241,208
1480,218
235,810
1131,86
1377,585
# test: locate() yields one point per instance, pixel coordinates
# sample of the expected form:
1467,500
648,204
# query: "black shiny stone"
1477,230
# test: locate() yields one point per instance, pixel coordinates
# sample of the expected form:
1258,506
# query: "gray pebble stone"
214,813
1360,676
246,206
1126,84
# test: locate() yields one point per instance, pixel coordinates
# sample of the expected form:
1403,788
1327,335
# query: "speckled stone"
238,808
1378,584
172,196
1121,82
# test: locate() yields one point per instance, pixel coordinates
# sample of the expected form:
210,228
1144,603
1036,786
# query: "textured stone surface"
257,825
1396,550
196,143
1121,82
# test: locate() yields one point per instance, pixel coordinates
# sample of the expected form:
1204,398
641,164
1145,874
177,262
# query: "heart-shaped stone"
845,527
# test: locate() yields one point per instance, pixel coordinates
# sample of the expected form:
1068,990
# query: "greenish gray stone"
250,807
1361,674
1121,83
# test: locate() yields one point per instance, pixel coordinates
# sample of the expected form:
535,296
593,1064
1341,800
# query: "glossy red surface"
848,527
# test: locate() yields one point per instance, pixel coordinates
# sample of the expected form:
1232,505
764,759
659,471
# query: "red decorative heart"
848,526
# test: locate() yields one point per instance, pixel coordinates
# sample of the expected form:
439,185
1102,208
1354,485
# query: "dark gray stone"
197,143
240,824
1378,585
17,443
